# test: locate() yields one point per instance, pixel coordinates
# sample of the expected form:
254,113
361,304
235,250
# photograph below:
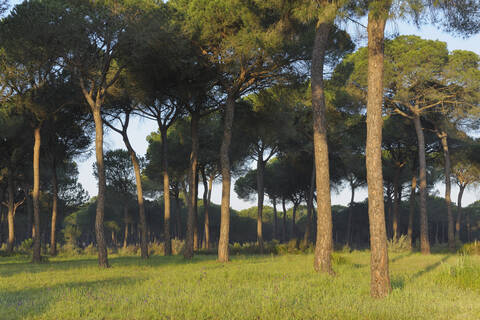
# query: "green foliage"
470,248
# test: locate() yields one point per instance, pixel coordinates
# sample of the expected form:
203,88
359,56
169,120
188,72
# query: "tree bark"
284,225
178,214
196,233
125,218
206,220
223,254
53,242
35,195
99,228
411,210
396,203
166,194
459,212
192,189
311,193
448,191
350,216
141,206
11,213
261,196
275,218
324,241
380,278
424,241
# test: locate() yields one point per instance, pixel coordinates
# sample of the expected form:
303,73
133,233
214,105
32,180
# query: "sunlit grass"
250,287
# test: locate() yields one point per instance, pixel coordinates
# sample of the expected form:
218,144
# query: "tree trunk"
459,212
424,241
178,214
448,191
166,194
396,202
99,228
10,214
324,241
53,242
206,204
293,230
196,236
350,216
311,193
28,200
261,196
284,225
125,218
35,195
190,244
469,228
380,278
141,206
223,254
275,218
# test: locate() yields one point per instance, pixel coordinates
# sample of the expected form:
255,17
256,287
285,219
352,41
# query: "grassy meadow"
439,286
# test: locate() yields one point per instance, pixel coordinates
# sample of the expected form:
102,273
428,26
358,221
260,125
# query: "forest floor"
438,286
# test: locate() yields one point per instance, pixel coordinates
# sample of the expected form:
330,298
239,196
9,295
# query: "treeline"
231,83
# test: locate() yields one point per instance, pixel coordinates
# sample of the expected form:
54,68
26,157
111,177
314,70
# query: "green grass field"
438,286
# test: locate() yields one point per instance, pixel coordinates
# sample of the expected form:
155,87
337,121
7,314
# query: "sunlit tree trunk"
275,218
196,233
424,241
396,203
36,196
324,241
380,278
206,204
10,213
223,254
459,212
53,242
411,210
311,193
348,236
284,224
448,191
166,194
261,196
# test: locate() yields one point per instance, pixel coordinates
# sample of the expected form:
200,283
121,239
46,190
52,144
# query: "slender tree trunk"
261,196
166,194
125,218
396,203
11,213
284,225
179,214
293,230
196,235
324,241
459,212
311,193
424,241
206,204
469,228
35,195
380,278
192,189
141,206
28,200
53,242
448,191
99,228
275,218
411,210
223,254
350,216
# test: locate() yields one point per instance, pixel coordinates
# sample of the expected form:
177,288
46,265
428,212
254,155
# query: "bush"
26,246
470,248
69,250
90,249
399,245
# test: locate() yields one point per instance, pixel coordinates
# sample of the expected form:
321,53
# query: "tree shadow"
401,256
429,268
33,302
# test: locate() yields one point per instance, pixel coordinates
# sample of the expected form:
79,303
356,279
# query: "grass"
439,286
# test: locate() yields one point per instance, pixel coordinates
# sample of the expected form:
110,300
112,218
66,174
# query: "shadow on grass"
33,302
401,256
9,268
429,268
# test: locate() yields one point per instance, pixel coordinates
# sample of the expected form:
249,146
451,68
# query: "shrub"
399,245
26,246
470,248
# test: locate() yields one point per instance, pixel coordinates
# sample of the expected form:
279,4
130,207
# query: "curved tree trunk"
324,241
206,223
10,214
308,225
459,212
53,242
350,216
284,225
223,254
141,206
166,194
424,241
261,196
190,244
99,228
380,278
448,191
36,195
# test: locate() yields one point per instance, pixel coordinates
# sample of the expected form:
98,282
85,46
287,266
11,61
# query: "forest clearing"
439,286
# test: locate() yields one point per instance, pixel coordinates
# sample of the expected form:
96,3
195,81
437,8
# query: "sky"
141,128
